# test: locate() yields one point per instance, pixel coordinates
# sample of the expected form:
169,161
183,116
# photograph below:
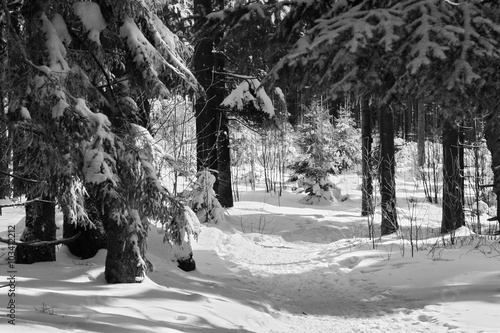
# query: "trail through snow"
289,268
314,288
346,286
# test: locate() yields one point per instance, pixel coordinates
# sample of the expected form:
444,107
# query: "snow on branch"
167,42
55,48
461,35
92,19
344,47
158,59
250,92
145,55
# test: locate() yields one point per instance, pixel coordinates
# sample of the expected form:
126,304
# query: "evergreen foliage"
89,71
203,199
327,149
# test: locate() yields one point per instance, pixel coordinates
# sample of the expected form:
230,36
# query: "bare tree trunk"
224,188
91,239
5,189
367,186
492,135
40,226
389,222
408,117
419,109
453,214
126,258
207,65
205,110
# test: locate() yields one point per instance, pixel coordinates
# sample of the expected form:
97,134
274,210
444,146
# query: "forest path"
328,288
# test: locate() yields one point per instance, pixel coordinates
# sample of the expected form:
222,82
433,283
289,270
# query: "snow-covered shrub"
203,200
320,188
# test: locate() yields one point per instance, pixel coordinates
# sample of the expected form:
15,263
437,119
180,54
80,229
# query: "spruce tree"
94,62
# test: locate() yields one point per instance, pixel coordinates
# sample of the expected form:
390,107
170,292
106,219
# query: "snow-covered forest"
249,166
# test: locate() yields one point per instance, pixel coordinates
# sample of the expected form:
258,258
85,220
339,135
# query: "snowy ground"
294,268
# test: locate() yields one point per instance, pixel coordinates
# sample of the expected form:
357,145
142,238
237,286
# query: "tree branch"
18,177
39,243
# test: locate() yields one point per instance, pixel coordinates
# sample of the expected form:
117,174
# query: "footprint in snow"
350,262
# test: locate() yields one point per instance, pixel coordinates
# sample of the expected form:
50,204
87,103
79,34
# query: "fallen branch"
39,243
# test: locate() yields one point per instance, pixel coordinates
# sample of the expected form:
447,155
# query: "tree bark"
91,239
492,135
367,185
408,117
206,107
224,188
389,222
40,226
453,184
4,142
210,122
126,258
419,109
5,189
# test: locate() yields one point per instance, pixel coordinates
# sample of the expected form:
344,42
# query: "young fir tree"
325,152
81,103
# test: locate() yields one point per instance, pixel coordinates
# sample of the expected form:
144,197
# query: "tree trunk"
419,109
40,226
389,222
91,239
5,190
408,116
210,122
224,188
126,233
4,142
367,186
492,135
453,185
206,107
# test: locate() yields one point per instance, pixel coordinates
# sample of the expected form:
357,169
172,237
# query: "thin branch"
39,243
239,76
108,81
107,85
18,177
